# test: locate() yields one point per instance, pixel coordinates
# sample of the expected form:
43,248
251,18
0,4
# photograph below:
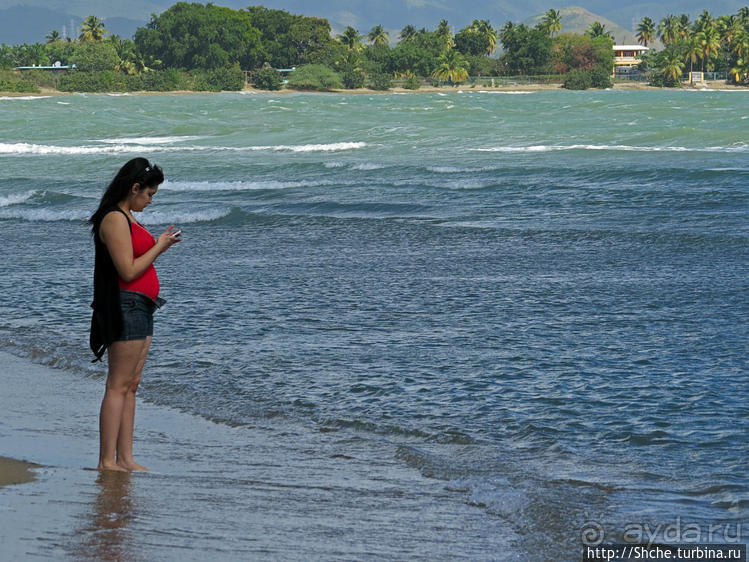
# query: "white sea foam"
23,98
188,217
43,215
367,166
722,90
455,170
27,148
462,185
119,148
513,93
238,185
620,148
149,217
498,496
445,169
538,148
318,147
16,199
148,140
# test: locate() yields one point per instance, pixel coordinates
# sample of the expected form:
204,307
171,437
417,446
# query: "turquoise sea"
534,304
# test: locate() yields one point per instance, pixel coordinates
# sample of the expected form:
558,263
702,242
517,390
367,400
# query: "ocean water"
536,301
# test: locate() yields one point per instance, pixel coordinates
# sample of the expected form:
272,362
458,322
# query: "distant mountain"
578,20
21,24
30,20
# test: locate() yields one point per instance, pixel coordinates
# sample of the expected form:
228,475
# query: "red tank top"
148,282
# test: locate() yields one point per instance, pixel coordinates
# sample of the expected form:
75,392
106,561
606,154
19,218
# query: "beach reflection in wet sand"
106,533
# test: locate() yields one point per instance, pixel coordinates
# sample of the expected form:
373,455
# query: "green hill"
577,20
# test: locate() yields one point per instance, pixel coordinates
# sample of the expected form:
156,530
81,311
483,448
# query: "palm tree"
552,22
743,14
704,20
351,38
740,70
669,29
597,29
378,36
731,30
484,29
92,29
52,36
673,68
506,31
693,52
741,43
137,62
452,67
646,31
709,41
445,34
684,26
408,34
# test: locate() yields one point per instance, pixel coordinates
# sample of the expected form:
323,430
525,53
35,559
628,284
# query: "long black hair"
137,170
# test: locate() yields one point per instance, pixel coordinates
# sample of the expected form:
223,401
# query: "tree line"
708,44
203,46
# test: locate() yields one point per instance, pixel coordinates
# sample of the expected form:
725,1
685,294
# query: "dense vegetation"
193,46
707,44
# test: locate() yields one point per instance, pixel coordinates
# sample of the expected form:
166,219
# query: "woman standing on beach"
126,293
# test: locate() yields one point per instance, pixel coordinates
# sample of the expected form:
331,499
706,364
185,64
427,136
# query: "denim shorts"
137,315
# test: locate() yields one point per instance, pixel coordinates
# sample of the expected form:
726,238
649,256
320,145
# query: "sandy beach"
519,87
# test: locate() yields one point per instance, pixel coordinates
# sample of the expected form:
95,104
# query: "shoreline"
630,86
268,490
13,471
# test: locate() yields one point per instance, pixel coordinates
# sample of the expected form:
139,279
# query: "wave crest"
16,199
21,148
241,185
620,148
23,98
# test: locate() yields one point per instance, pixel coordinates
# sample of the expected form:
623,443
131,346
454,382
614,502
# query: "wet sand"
276,490
13,471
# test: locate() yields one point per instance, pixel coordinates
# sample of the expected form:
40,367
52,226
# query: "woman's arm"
115,233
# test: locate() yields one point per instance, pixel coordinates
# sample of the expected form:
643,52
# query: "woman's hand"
168,238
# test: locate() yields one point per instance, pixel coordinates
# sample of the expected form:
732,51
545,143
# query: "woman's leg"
124,358
127,423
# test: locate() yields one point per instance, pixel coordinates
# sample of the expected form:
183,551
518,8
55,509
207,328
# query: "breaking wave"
16,199
241,185
120,147
618,148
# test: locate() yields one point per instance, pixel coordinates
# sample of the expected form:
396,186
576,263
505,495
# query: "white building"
626,57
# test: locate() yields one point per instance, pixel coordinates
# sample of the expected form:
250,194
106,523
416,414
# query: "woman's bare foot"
111,466
132,465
